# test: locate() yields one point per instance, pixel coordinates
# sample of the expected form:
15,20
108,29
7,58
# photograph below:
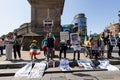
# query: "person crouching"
34,49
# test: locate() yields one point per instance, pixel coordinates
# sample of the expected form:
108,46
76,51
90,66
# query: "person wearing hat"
34,49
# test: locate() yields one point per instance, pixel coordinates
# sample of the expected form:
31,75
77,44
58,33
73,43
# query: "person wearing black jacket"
50,46
63,48
109,45
118,44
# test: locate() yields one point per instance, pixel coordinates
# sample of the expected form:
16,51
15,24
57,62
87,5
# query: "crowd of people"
12,42
94,46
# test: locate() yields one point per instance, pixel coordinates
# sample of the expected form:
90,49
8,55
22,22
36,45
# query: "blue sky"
99,13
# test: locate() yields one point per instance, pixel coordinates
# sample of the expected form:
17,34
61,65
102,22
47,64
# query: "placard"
113,41
64,35
74,37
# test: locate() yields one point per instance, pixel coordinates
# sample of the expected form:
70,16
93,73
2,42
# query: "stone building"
45,17
114,28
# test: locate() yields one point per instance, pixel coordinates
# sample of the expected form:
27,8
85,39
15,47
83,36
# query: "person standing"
1,46
63,48
17,45
118,44
109,45
50,46
101,44
44,45
75,41
9,46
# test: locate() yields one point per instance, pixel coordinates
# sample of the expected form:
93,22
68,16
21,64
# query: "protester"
118,44
63,48
94,48
109,45
1,46
88,46
17,45
34,49
101,45
9,46
44,45
75,41
50,46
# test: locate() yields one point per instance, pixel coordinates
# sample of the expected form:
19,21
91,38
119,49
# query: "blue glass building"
81,21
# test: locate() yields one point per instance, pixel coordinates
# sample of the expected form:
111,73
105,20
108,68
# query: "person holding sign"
111,42
118,44
75,41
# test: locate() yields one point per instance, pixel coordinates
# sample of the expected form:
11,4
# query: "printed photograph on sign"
113,41
74,38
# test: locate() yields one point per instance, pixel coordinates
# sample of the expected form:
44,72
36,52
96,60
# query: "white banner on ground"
104,64
86,64
64,65
24,71
37,71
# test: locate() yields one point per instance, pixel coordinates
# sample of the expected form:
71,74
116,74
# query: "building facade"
114,28
81,22
45,17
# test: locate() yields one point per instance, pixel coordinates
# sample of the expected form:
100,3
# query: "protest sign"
64,36
64,65
86,64
113,41
24,71
37,71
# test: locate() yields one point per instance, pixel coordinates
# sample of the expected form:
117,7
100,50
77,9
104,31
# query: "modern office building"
80,21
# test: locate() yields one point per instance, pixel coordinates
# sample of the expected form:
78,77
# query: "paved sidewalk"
26,57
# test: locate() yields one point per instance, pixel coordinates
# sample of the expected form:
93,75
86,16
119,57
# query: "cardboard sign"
64,35
113,41
75,39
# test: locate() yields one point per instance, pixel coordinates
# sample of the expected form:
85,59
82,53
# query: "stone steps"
9,69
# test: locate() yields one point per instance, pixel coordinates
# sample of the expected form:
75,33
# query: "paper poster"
104,64
86,64
37,71
24,71
64,65
64,36
113,41
75,39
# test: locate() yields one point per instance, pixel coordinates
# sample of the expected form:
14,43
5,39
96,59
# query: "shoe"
20,59
73,59
35,58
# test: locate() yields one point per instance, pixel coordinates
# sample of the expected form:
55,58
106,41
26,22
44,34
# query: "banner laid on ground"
86,64
64,65
104,64
100,64
24,71
37,71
